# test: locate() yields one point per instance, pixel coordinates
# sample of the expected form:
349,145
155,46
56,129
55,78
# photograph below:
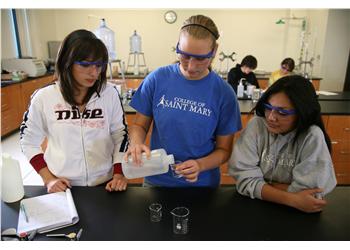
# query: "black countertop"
267,76
5,83
340,96
335,107
328,107
215,214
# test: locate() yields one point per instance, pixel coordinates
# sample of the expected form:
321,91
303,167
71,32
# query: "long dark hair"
79,45
304,99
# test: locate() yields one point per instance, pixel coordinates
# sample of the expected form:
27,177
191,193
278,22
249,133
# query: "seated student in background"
283,155
243,70
82,118
287,67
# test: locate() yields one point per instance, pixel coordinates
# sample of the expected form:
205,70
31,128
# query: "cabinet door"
338,129
263,83
133,83
15,100
130,120
325,121
316,84
245,119
341,151
226,179
10,104
29,87
342,173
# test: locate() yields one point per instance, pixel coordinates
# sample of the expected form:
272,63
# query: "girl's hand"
118,183
189,170
57,185
306,201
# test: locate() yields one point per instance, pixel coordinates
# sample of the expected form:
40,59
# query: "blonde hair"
201,27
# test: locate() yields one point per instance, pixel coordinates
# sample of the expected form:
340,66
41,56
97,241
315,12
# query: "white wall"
336,49
244,31
43,29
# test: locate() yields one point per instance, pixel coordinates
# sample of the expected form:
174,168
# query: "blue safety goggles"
279,110
87,64
187,56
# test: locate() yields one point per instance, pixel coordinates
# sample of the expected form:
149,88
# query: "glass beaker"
180,220
173,167
256,95
155,210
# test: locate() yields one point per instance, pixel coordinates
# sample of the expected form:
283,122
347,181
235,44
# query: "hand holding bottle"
135,151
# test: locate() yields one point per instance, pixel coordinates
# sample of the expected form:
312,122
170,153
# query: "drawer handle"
347,129
341,174
335,142
342,152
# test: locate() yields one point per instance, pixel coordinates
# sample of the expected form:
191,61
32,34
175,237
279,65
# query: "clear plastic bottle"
240,89
108,38
12,185
157,164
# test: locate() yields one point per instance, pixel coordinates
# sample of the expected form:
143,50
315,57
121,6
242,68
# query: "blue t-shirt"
187,117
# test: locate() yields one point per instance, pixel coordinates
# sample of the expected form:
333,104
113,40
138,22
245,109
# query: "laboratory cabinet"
133,83
15,99
338,128
10,106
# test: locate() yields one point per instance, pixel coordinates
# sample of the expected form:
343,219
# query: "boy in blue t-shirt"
194,112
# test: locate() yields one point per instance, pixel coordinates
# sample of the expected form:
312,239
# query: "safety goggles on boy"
187,56
280,111
285,68
88,65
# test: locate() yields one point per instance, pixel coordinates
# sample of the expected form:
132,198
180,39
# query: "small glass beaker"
256,95
180,220
250,90
173,167
155,210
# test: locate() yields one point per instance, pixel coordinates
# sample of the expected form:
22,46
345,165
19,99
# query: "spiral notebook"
47,212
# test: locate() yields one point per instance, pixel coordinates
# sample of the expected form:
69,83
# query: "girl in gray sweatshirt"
283,155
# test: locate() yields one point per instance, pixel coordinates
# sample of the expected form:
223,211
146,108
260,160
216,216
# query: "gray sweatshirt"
261,157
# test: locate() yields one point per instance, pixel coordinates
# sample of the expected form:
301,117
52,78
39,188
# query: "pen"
25,212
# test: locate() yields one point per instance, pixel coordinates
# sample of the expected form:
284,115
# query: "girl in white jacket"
82,118
283,155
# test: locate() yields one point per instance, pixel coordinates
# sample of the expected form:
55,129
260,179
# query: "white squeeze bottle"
240,89
11,180
157,164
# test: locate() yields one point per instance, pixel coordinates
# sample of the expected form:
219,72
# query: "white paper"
47,212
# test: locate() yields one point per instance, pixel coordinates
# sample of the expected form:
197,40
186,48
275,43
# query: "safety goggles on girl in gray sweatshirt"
261,157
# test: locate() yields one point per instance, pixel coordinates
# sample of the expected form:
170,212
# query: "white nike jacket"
81,146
